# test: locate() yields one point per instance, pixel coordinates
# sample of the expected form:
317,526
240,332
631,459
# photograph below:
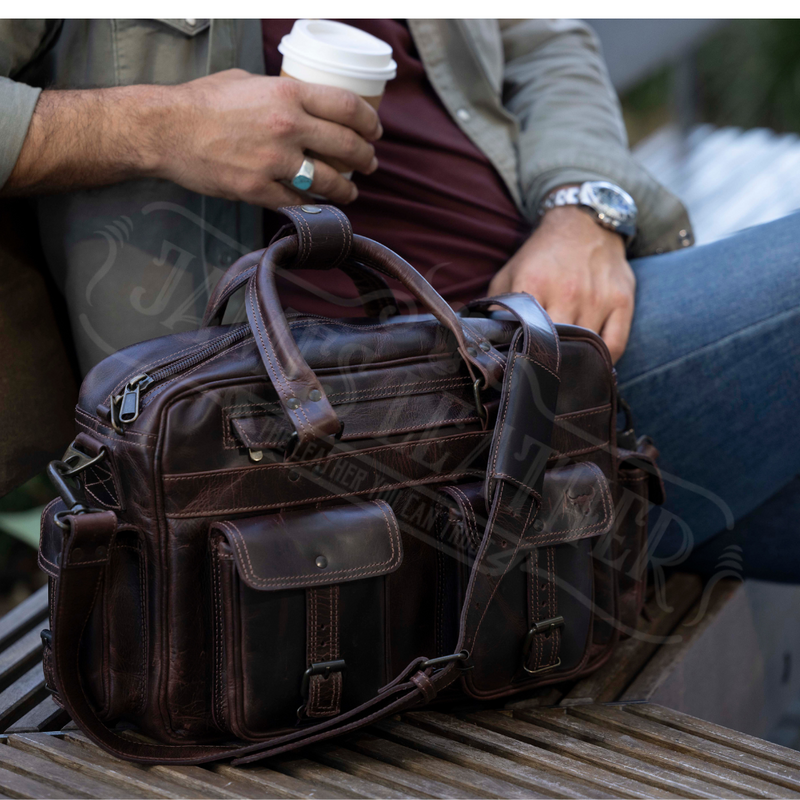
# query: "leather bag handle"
376,297
316,426
89,540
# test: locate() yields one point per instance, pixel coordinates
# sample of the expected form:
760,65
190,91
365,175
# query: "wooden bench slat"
632,654
464,780
21,696
690,744
15,785
539,758
622,742
132,779
198,779
321,774
402,777
592,754
20,657
46,716
276,784
68,780
29,613
717,733
535,773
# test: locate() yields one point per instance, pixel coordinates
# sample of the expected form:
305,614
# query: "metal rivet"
538,525
686,242
311,209
293,475
77,554
321,562
682,234
293,403
191,22
472,352
100,552
315,395
485,346
463,115
256,455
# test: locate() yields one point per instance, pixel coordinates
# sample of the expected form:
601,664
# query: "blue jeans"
712,373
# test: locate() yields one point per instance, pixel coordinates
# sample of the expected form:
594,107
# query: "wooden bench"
570,741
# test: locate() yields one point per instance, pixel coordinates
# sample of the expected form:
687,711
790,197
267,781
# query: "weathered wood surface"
561,743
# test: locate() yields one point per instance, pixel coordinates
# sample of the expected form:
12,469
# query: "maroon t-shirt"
435,198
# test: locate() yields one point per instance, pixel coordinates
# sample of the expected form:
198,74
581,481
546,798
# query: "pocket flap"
313,548
576,504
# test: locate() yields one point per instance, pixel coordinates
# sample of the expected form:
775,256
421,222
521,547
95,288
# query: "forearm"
95,137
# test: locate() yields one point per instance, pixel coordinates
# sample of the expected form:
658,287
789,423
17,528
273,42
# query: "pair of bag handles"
513,488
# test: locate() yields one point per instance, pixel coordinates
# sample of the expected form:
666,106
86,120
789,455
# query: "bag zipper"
126,406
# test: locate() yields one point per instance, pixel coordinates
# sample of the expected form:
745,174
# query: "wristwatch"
612,207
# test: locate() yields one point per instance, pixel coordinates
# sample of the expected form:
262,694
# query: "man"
154,153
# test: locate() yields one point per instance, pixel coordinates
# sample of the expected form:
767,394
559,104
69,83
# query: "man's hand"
578,272
231,134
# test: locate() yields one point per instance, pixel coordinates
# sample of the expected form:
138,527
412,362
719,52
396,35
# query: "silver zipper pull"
129,402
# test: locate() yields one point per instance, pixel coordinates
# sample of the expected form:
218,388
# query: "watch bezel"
606,215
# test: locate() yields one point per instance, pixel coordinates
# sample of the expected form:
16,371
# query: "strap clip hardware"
324,668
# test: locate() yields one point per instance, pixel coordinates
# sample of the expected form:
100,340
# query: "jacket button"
321,562
463,115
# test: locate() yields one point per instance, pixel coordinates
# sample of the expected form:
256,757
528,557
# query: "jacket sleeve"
20,41
571,127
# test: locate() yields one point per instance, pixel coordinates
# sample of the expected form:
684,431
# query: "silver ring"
304,176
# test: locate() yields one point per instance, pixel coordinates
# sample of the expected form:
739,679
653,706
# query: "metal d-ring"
483,414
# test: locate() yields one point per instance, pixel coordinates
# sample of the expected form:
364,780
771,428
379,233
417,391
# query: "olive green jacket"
138,259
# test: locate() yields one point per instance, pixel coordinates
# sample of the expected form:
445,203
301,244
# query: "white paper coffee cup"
335,54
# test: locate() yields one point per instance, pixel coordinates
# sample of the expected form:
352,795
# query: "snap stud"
472,352
256,455
538,525
485,346
293,475
293,403
321,562
311,209
315,395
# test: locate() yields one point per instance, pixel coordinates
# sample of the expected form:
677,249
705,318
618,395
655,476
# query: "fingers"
342,107
616,330
340,143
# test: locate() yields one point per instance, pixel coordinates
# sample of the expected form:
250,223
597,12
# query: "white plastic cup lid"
340,49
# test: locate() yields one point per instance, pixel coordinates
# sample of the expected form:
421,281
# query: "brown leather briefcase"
273,532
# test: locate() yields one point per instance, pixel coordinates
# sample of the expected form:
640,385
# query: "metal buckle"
483,414
320,668
537,628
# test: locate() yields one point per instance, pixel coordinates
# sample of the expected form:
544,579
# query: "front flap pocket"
300,610
310,548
